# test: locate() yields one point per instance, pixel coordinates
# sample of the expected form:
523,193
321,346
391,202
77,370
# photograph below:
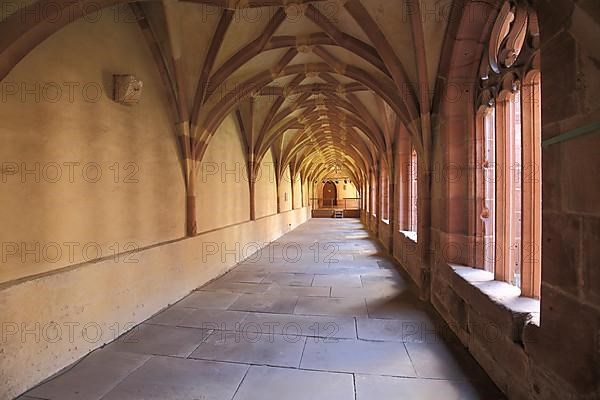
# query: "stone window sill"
410,235
501,294
386,221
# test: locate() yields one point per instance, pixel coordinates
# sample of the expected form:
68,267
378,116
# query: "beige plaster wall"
306,192
285,191
105,178
347,191
223,196
297,192
266,188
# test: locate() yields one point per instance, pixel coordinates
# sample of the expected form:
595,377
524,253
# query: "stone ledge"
410,235
501,301
490,318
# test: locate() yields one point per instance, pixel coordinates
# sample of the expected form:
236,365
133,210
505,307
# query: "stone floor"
320,314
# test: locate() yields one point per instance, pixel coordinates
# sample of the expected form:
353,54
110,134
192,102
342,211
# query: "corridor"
291,322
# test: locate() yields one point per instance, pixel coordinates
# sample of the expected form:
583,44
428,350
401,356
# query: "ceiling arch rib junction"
322,84
325,83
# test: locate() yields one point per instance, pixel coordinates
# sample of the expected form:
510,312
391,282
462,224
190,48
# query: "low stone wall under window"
500,328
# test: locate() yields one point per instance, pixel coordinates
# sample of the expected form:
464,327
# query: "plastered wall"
306,192
82,176
298,192
222,181
285,191
266,188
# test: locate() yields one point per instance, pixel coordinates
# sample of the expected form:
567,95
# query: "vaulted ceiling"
324,84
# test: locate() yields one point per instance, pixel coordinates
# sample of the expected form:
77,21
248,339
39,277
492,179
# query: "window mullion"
502,269
531,255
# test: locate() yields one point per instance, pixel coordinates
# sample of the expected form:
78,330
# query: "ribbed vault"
322,84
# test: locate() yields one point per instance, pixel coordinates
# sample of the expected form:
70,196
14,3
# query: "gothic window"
509,146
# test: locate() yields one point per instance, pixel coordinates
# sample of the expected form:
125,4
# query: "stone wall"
565,350
532,350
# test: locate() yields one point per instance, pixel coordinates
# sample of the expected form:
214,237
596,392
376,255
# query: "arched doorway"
329,194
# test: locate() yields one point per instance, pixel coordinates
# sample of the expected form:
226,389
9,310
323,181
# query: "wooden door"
329,194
